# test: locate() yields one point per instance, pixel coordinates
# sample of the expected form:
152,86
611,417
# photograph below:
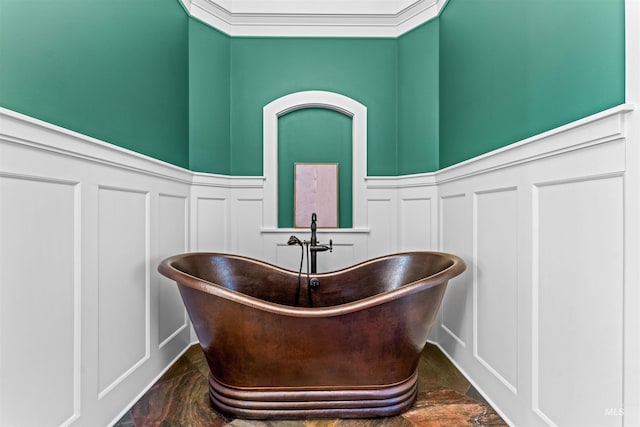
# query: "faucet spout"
322,248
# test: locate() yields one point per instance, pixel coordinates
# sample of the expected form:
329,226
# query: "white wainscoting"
86,322
495,271
539,321
349,247
39,273
123,284
173,220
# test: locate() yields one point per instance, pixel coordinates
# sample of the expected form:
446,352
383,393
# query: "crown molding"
331,18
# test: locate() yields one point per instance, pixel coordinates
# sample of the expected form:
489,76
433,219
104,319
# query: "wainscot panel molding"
123,284
495,249
40,299
571,231
537,320
304,18
174,223
545,225
84,225
349,247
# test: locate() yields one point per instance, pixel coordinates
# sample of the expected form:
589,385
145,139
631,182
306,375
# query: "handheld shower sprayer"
293,240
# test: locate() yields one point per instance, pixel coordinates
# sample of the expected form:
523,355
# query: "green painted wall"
418,99
114,70
144,76
209,99
314,135
264,69
512,69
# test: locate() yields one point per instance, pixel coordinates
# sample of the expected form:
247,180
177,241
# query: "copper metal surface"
354,353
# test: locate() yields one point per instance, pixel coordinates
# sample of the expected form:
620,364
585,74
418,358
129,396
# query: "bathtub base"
326,402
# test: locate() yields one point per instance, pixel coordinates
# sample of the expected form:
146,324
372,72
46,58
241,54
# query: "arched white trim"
315,99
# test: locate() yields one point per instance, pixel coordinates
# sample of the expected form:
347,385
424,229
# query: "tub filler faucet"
315,247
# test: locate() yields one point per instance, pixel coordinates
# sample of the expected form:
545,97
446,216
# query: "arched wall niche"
314,99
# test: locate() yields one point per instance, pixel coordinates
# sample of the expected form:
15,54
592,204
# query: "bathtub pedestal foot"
303,403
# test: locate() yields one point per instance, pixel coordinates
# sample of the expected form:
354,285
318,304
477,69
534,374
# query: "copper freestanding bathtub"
349,348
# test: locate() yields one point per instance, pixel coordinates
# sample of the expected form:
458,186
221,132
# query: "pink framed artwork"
316,190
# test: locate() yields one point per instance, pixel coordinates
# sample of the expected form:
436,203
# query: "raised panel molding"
289,257
349,248
381,218
416,224
247,219
495,284
578,301
40,262
123,284
343,256
172,239
210,223
456,237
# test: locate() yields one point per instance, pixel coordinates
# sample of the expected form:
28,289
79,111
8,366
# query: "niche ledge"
357,230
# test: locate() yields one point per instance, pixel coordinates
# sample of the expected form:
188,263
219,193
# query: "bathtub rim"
184,279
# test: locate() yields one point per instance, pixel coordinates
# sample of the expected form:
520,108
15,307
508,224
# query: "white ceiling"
342,18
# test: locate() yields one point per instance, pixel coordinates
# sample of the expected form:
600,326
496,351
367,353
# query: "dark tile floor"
180,398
